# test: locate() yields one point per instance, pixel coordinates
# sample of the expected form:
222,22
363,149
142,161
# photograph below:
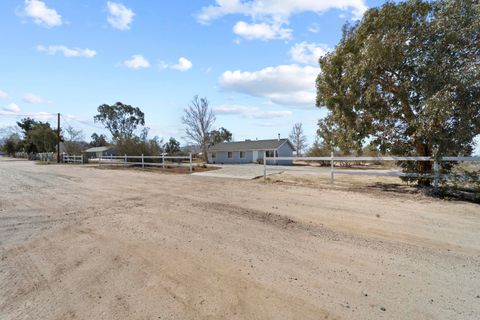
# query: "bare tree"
73,140
199,119
298,138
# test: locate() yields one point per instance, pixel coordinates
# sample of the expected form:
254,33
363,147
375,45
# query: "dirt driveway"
89,243
237,171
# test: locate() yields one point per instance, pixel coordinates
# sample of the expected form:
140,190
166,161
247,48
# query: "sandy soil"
83,243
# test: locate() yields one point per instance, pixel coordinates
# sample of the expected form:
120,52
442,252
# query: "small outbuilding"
98,152
250,151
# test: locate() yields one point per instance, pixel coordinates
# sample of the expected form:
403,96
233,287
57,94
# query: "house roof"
271,144
98,149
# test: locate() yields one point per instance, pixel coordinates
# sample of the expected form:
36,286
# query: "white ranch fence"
72,159
46,156
332,159
158,161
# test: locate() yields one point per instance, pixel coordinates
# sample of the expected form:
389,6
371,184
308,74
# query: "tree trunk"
205,154
423,167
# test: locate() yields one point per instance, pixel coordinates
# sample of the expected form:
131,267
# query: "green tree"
38,136
97,140
172,146
219,136
12,144
26,125
121,120
407,77
319,149
42,137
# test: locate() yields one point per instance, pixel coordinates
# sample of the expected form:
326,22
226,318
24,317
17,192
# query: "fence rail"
124,160
45,156
373,158
67,158
332,159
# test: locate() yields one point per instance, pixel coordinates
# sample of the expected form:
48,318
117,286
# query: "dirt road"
87,243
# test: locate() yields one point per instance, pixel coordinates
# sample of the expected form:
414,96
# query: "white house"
250,151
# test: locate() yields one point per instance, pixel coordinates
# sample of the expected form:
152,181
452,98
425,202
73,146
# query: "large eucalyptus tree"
407,78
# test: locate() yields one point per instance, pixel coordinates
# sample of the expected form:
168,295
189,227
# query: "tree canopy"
407,79
98,140
120,119
220,135
171,147
38,136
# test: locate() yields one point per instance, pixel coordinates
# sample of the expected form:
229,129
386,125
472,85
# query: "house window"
269,154
214,155
229,154
242,154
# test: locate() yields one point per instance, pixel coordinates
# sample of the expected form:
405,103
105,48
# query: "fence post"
163,161
100,161
265,165
435,176
332,165
191,168
143,163
125,162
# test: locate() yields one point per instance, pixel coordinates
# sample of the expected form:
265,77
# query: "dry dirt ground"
86,243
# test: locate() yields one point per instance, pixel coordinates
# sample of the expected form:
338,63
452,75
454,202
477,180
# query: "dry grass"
378,186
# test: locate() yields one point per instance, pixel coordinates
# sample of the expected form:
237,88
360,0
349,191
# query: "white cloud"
285,84
3,95
67,52
33,99
137,62
269,13
250,112
183,64
262,31
120,17
277,9
13,108
43,116
308,53
41,14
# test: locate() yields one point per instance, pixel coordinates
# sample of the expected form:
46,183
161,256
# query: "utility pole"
58,137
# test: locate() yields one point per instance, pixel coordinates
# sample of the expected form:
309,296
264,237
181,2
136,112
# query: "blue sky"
254,60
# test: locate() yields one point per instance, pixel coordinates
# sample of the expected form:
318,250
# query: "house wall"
222,157
285,150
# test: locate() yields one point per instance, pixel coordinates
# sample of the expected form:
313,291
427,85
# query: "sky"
255,61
